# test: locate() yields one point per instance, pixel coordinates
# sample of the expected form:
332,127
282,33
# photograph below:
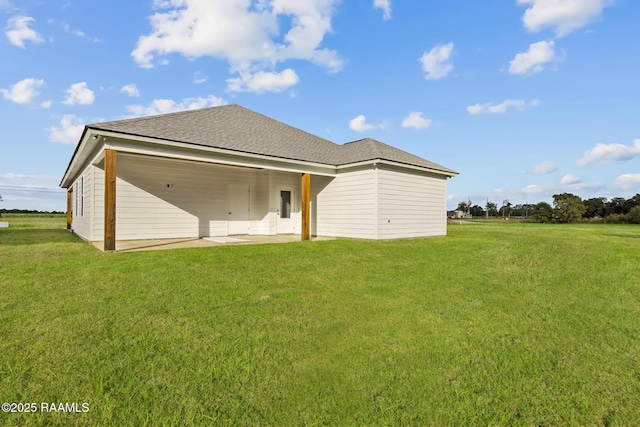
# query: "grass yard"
35,221
496,324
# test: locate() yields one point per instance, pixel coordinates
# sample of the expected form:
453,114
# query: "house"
231,171
458,214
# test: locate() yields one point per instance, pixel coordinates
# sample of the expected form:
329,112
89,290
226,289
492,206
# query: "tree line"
566,208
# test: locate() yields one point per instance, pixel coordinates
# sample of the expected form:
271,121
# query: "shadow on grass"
21,236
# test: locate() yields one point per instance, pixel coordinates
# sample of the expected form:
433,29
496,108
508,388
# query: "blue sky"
525,98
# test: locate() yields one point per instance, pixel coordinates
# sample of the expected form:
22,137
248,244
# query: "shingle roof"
236,128
370,149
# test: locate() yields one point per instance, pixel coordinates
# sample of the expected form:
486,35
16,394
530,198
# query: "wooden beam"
110,200
306,205
69,204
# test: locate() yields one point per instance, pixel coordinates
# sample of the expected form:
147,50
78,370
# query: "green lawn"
34,221
496,324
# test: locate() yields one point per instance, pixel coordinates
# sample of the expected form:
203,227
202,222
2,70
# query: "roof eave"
73,157
447,173
205,148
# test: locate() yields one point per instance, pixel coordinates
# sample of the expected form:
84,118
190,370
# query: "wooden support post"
306,205
110,200
69,214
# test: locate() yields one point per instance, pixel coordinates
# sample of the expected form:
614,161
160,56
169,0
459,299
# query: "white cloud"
545,168
45,104
563,16
263,81
570,179
17,176
628,181
501,108
70,130
415,120
569,184
246,33
199,77
533,60
385,6
131,90
359,124
18,31
79,93
609,153
163,106
533,189
68,29
23,91
436,63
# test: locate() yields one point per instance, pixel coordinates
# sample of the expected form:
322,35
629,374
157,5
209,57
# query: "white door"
238,209
285,208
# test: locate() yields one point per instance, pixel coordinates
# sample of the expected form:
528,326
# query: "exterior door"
285,209
238,209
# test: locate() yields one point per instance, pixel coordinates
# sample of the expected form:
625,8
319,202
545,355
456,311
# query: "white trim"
376,179
397,164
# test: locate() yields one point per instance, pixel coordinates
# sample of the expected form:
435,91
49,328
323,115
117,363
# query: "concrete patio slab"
162,244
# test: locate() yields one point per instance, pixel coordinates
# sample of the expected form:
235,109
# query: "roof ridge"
157,116
357,140
287,125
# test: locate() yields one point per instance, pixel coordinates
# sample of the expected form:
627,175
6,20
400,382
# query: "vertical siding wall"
163,198
410,204
345,206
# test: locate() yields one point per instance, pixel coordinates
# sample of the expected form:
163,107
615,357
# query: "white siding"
163,198
364,202
262,220
159,198
82,204
98,204
410,204
345,206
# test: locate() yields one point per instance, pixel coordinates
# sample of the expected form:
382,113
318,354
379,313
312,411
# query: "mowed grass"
496,324
35,221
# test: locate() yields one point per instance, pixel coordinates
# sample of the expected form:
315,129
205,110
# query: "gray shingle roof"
236,128
370,149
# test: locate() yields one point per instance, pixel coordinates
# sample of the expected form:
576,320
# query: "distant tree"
477,211
492,208
463,206
505,210
633,217
595,207
628,204
568,207
615,219
542,212
615,206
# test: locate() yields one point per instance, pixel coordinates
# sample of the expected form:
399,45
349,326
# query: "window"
75,199
285,204
82,196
